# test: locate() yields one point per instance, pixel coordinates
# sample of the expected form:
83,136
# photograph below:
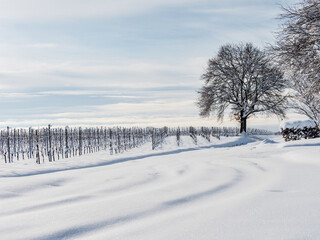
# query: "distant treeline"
57,143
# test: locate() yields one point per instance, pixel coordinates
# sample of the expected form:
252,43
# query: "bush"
299,133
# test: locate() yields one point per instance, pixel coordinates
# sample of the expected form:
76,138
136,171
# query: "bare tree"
298,51
298,41
243,78
304,99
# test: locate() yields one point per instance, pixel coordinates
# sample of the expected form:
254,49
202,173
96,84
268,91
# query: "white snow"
298,124
233,188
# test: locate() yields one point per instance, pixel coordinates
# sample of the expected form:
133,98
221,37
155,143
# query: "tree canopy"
243,79
298,52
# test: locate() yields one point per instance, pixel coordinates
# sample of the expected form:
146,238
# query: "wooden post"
80,141
30,142
61,141
105,138
8,144
37,147
66,138
111,141
178,136
49,138
19,142
14,143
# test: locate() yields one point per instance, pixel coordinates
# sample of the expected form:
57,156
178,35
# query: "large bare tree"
243,79
298,51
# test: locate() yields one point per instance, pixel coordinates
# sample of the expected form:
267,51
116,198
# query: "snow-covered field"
235,188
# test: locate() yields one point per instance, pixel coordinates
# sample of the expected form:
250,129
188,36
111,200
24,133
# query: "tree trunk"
243,127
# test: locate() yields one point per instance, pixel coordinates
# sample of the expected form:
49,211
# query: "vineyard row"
56,143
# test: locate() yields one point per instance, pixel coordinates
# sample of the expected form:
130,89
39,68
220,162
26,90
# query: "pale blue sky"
125,62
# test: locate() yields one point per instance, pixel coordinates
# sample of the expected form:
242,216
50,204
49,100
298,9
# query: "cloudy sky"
124,62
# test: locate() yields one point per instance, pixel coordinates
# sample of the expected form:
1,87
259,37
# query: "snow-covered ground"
235,188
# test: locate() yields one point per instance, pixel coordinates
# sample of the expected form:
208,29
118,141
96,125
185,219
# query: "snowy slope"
233,188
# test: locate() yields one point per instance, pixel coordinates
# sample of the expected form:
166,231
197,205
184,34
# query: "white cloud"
42,45
68,9
240,10
16,95
21,74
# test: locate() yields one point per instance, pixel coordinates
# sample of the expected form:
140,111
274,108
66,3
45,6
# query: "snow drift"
235,188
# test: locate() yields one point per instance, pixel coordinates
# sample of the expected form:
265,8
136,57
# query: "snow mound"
302,143
268,141
237,141
298,124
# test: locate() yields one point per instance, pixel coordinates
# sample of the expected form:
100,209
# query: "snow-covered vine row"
51,144
55,143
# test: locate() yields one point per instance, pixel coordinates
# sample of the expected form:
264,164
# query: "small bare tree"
242,77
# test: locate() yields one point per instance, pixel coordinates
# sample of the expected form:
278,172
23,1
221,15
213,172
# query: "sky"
120,63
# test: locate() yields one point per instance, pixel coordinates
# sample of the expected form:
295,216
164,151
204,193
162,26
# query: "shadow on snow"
238,142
